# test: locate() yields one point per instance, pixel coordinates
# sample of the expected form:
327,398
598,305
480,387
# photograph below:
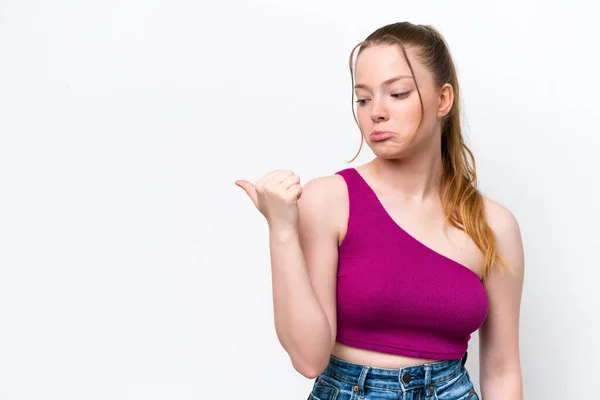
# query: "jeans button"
406,377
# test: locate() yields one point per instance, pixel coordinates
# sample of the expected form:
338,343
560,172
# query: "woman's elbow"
311,370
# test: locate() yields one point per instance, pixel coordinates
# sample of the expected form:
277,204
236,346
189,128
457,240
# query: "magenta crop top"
396,295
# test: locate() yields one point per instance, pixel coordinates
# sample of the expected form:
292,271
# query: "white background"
132,267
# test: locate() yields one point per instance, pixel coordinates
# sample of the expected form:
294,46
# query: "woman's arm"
304,271
499,361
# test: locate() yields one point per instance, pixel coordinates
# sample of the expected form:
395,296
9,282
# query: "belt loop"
427,380
360,386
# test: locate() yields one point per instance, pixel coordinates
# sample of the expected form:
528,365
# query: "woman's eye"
404,95
400,95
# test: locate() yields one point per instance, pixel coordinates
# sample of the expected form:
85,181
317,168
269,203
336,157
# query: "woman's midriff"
374,358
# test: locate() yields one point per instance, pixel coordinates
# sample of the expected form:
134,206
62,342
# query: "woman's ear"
446,99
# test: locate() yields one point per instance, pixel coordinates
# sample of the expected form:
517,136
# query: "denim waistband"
410,377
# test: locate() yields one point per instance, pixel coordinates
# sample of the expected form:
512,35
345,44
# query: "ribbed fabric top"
396,295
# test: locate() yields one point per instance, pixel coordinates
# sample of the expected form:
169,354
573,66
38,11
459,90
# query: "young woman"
382,272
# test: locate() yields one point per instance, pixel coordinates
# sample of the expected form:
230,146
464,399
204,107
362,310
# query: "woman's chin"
387,151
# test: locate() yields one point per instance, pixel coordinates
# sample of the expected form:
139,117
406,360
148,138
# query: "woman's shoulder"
323,207
502,221
509,246
324,190
327,197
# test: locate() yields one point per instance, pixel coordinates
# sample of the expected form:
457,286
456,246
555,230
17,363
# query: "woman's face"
388,107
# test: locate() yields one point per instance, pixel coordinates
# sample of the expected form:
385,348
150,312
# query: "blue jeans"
441,380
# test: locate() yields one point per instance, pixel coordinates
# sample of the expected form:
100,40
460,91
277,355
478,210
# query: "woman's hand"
276,196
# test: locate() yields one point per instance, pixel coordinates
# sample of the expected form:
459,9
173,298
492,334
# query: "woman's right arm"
304,271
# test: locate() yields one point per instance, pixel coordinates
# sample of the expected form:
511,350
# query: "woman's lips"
378,136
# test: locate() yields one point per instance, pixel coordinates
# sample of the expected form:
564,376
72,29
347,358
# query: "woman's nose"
378,112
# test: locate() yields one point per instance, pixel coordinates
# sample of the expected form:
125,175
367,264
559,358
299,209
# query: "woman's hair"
461,200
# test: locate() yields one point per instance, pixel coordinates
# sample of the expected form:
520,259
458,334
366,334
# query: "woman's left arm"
500,375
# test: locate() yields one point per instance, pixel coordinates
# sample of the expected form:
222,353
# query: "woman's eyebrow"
391,80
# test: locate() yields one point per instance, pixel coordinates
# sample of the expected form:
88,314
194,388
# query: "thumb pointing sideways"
249,189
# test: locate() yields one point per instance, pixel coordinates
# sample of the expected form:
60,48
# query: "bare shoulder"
501,219
323,206
507,231
325,190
